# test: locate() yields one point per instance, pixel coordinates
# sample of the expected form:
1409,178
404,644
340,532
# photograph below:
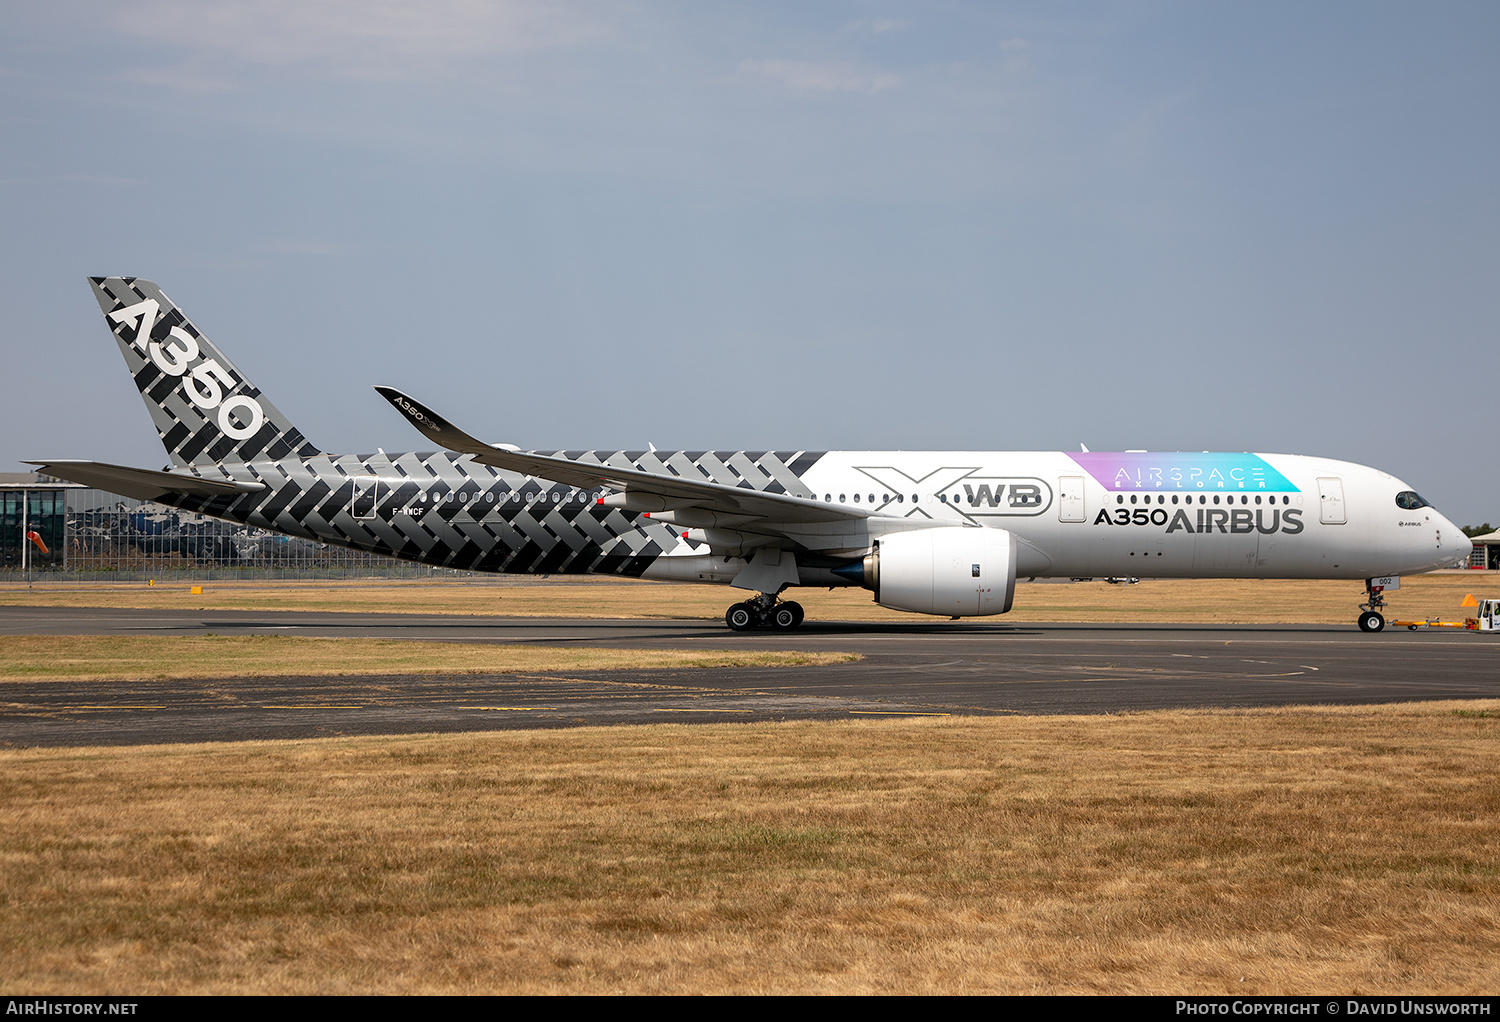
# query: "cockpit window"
1408,500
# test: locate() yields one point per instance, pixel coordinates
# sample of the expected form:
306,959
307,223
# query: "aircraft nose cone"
1454,539
1462,547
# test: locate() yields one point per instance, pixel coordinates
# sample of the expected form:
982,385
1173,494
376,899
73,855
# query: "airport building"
66,531
1486,551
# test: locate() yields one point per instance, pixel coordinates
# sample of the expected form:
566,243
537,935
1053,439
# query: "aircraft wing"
776,508
142,483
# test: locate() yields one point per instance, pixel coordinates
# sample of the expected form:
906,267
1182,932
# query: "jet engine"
954,571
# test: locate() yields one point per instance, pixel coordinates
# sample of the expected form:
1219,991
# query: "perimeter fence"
133,542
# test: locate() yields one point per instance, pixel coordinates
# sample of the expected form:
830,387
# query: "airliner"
932,532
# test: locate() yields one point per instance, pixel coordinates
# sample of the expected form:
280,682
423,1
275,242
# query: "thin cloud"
811,76
876,25
374,38
183,77
1016,54
300,246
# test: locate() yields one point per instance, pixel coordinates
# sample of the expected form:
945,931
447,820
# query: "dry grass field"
93,657
1211,601
1325,850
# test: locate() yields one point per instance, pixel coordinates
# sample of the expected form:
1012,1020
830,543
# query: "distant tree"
1478,530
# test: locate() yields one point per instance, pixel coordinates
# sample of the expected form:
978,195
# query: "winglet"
432,425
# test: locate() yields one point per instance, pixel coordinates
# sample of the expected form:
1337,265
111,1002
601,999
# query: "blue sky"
1268,227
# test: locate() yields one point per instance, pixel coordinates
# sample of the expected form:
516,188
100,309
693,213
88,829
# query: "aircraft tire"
796,609
740,618
1371,622
784,617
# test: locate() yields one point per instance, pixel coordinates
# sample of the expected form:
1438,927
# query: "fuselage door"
1331,500
366,496
1070,499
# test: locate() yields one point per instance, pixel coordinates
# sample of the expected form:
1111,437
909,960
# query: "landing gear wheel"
740,618
784,617
796,608
1372,620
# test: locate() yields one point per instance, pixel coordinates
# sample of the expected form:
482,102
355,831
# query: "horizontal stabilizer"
143,483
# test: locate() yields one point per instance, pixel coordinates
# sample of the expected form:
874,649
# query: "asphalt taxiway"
923,667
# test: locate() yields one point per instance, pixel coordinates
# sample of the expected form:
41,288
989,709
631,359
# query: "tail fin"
204,408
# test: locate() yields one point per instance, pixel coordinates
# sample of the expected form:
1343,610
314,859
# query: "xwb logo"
412,410
1010,497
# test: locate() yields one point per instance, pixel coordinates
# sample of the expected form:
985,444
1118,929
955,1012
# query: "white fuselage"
1138,514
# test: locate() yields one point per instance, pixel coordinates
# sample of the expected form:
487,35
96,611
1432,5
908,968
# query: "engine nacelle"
955,571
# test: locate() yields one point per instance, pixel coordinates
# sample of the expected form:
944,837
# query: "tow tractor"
1488,619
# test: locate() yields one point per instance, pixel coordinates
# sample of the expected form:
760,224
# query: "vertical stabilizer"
204,408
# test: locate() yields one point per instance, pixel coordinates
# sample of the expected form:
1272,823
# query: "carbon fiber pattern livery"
442,509
178,370
437,508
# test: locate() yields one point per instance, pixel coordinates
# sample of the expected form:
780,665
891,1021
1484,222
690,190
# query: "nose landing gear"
1372,620
765,611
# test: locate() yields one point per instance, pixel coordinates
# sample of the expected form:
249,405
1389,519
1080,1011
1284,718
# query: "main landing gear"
1372,620
765,611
